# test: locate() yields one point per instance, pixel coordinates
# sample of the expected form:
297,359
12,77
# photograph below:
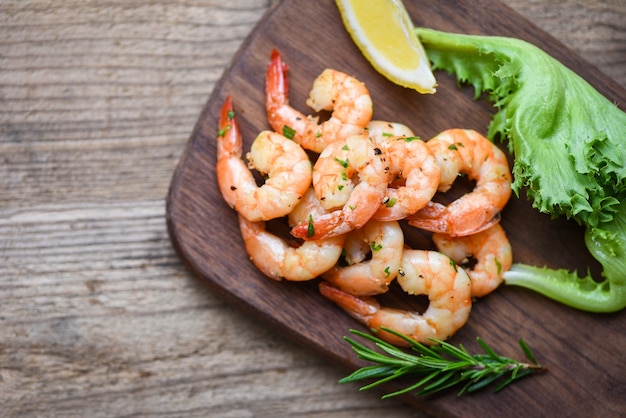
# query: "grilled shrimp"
414,173
279,260
347,98
350,178
384,241
468,152
285,164
490,249
422,273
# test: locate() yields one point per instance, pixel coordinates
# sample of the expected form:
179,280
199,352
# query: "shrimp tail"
276,86
360,308
229,142
363,309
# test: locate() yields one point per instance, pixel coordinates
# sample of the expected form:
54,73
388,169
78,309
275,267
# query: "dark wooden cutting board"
585,353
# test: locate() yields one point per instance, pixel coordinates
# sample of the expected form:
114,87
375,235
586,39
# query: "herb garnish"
289,132
343,163
440,367
311,228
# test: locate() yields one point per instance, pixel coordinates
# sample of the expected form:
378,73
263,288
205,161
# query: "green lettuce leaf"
608,245
569,147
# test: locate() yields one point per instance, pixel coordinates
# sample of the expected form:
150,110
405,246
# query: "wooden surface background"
98,317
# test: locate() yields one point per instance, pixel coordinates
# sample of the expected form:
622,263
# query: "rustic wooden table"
98,317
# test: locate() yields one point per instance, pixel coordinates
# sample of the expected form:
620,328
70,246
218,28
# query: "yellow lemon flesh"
383,31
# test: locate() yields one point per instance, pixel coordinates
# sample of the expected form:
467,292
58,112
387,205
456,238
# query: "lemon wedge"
383,31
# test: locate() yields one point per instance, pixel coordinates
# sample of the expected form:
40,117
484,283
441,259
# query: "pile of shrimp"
347,186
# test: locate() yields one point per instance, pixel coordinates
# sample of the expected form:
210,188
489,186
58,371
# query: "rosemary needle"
439,367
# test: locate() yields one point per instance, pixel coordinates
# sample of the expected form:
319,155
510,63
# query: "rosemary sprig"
439,367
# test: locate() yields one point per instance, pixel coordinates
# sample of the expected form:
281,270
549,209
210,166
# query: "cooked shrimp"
466,151
285,163
490,249
422,273
347,97
414,173
361,277
278,260
354,159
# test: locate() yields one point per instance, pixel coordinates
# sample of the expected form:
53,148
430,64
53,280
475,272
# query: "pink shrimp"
422,273
365,277
286,164
278,259
466,151
339,166
414,173
333,90
490,249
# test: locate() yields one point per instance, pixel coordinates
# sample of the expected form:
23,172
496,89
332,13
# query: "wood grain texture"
98,316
